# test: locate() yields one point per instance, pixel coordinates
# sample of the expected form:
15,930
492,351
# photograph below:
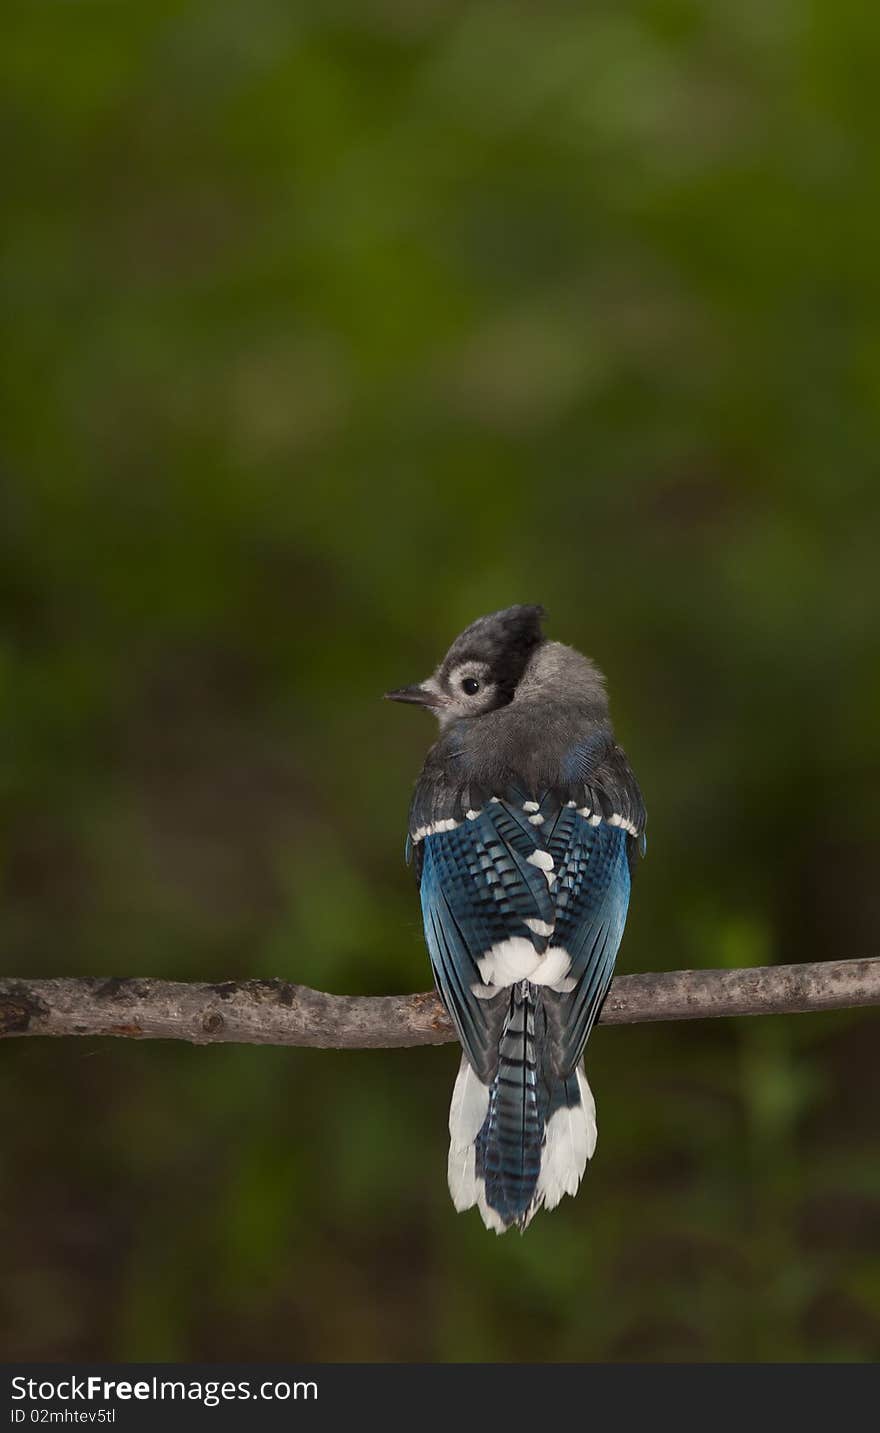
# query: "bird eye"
470,686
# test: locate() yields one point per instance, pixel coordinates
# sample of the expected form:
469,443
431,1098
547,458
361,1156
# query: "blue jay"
523,830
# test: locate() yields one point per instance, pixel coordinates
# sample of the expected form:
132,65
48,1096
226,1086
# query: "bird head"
482,668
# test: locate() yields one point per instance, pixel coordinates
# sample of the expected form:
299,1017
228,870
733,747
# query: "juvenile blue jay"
524,828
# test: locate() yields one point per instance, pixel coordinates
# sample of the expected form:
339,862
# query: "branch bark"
274,1012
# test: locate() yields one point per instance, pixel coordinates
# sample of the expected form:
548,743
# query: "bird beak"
420,695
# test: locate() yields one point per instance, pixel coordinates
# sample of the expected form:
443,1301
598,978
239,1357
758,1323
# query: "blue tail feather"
538,1130
508,1147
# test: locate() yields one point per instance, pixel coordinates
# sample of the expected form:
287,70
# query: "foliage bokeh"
328,328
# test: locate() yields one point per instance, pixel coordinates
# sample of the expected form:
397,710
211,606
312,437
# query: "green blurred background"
328,328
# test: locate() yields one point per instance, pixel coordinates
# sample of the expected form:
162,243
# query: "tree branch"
273,1012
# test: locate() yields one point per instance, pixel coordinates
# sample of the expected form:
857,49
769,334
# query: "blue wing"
591,892
538,870
479,888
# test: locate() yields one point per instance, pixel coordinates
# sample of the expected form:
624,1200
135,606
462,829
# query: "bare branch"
273,1012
